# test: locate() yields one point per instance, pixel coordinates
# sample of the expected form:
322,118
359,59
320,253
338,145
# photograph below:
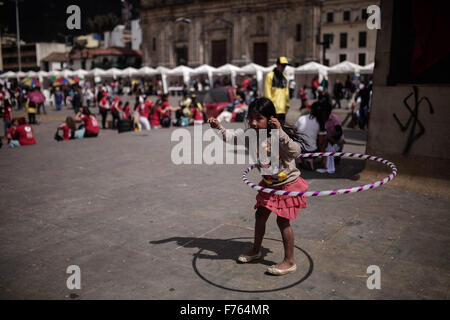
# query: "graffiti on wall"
413,120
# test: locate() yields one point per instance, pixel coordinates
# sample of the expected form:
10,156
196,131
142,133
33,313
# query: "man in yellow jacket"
276,89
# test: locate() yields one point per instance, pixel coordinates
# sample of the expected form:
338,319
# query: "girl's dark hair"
265,107
316,113
86,111
71,123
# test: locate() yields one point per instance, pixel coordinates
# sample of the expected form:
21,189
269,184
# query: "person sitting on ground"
68,128
90,122
196,111
311,129
335,137
13,140
23,134
227,114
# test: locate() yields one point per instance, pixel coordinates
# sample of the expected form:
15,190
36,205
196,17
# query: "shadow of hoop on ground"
229,249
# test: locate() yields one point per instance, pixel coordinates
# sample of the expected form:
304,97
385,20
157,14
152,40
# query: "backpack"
165,122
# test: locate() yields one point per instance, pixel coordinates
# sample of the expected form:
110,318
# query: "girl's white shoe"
245,258
281,272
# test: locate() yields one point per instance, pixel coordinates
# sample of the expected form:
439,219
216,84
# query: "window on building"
362,59
328,39
326,62
364,14
330,17
154,44
298,36
362,39
343,40
342,57
260,25
347,15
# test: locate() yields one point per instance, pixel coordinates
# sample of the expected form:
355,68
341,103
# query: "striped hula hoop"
328,192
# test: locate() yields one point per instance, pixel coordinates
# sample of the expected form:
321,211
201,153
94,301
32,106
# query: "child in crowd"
262,116
68,128
90,122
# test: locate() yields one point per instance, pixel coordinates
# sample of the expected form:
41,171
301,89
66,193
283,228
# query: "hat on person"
282,61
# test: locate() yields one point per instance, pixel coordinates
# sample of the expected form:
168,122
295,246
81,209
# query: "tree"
103,23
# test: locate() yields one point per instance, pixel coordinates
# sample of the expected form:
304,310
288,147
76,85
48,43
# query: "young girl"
90,122
68,128
12,135
262,115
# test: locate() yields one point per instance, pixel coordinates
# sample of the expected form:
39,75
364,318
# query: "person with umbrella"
36,97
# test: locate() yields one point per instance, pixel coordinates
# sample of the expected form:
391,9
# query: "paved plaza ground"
140,227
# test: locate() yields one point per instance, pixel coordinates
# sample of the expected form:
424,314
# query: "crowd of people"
115,98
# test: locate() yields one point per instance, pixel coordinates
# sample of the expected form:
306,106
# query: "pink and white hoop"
328,192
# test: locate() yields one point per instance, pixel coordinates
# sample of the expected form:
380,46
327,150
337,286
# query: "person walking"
277,90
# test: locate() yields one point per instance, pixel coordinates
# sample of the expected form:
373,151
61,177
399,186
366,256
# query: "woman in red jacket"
24,133
90,122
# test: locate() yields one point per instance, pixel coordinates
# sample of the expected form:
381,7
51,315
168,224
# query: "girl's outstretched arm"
227,135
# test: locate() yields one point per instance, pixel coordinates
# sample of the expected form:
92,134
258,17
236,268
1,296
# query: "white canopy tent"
113,72
163,72
66,73
54,73
81,73
345,67
32,74
180,71
205,69
341,71
368,69
96,73
256,69
129,72
145,71
289,71
20,74
305,74
312,68
9,74
228,69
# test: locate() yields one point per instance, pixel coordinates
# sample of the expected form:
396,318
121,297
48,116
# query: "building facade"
195,32
31,55
343,22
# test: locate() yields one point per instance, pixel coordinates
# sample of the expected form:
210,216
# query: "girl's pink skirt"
284,206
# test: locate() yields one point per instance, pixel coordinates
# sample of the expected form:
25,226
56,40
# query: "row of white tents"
310,68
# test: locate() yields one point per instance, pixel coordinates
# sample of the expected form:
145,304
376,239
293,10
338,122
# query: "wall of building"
244,25
43,49
136,34
422,160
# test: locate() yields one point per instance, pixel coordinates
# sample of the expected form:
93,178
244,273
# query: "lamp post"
325,45
18,36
